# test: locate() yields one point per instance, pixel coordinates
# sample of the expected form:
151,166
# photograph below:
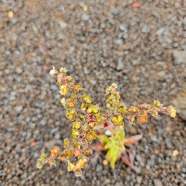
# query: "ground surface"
142,49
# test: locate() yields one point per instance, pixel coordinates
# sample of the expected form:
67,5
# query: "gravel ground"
142,49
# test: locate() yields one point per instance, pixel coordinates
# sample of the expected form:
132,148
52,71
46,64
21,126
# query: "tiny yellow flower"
75,134
76,125
64,89
39,164
63,70
69,79
71,166
63,101
175,153
66,142
171,111
71,104
69,152
91,124
54,152
83,107
134,109
118,120
77,87
43,156
157,104
71,114
86,98
91,135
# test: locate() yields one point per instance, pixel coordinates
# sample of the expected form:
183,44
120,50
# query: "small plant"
89,122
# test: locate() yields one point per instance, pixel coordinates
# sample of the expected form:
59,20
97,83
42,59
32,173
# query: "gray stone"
157,182
184,23
119,42
7,52
14,21
123,27
139,179
85,17
184,46
118,184
120,65
19,70
92,81
161,74
18,109
145,28
107,181
154,138
180,105
82,4
62,24
85,69
99,168
179,56
160,31
17,52
43,122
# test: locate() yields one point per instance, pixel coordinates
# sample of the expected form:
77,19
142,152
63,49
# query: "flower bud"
66,142
95,110
54,152
83,107
89,110
53,72
91,124
76,125
105,162
92,109
39,164
105,124
99,119
77,153
60,79
157,104
63,89
172,111
91,136
118,120
154,113
86,98
71,104
84,128
75,134
122,110
82,117
88,152
69,79
51,162
43,157
63,102
71,166
71,114
63,70
77,88
69,152
78,173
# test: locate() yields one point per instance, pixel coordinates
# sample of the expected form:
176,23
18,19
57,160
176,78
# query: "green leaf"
104,138
112,155
121,133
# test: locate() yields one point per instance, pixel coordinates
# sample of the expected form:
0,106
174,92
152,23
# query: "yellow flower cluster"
86,118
